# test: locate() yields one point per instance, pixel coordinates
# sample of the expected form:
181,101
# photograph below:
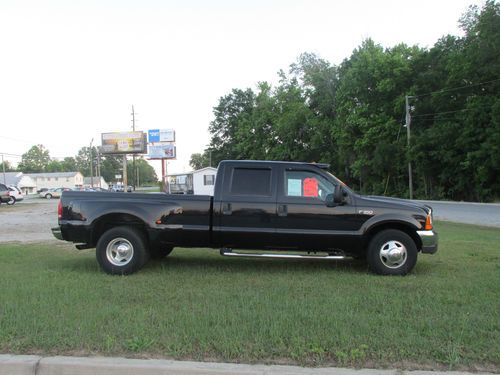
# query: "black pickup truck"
298,210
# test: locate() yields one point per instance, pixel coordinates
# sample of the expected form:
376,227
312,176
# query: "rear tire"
392,252
48,196
122,251
11,201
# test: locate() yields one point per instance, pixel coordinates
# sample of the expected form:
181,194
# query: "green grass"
198,305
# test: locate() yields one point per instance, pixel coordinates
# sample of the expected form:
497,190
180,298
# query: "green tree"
352,115
69,164
111,166
8,166
229,113
144,172
370,105
54,166
200,160
35,160
82,160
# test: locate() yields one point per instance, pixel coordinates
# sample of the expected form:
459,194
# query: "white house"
204,181
18,179
57,179
200,182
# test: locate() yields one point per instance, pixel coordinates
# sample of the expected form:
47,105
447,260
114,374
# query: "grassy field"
198,305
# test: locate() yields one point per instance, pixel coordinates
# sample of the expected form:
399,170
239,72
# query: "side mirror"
336,198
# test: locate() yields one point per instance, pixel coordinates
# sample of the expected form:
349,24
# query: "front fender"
390,218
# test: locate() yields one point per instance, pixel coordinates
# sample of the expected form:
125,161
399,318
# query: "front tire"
11,201
121,251
392,252
48,196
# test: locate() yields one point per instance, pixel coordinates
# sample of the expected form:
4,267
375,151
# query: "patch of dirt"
28,221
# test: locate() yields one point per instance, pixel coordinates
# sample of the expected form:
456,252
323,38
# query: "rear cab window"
251,181
248,182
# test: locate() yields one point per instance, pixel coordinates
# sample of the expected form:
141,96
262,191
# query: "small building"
57,179
199,182
18,179
204,181
93,182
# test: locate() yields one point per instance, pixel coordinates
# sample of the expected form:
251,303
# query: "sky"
71,70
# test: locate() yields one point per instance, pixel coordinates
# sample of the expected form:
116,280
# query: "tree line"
352,115
37,160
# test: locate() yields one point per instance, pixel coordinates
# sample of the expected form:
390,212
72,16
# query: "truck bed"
187,217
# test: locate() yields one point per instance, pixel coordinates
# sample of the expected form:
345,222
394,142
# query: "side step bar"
230,253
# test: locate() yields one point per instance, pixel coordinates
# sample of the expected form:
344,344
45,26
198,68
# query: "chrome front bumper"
429,241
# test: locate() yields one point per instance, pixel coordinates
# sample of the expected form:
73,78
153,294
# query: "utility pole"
125,179
3,165
134,172
91,165
408,122
99,165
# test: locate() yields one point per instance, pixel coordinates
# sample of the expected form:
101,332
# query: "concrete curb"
35,365
18,364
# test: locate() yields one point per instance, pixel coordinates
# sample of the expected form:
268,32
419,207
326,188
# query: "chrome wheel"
393,254
119,251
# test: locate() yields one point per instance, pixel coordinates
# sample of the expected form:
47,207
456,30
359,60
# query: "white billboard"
165,151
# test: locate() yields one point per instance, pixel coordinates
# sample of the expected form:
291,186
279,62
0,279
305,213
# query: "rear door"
245,212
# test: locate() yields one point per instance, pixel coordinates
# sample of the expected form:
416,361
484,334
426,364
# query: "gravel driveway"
29,220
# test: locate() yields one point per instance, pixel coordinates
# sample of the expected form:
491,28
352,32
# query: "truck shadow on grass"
215,263
186,260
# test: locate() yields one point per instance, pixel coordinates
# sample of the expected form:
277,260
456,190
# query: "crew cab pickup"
297,210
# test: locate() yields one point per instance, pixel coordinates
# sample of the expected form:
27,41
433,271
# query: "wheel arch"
405,227
116,219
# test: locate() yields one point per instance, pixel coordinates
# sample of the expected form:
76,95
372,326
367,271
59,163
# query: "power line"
13,155
438,119
440,113
456,88
455,111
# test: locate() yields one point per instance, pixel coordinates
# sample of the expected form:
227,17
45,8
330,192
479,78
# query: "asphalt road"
463,212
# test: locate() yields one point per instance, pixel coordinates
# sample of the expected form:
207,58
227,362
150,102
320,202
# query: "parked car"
4,194
283,206
116,188
53,193
16,195
41,190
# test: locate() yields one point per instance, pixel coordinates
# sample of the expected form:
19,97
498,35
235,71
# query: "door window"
307,184
251,181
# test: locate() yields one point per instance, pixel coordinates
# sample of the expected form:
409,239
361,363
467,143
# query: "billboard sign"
165,151
123,143
161,135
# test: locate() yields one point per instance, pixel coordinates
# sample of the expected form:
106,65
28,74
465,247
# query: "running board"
229,253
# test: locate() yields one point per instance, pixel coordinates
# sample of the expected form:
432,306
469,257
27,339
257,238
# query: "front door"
303,221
